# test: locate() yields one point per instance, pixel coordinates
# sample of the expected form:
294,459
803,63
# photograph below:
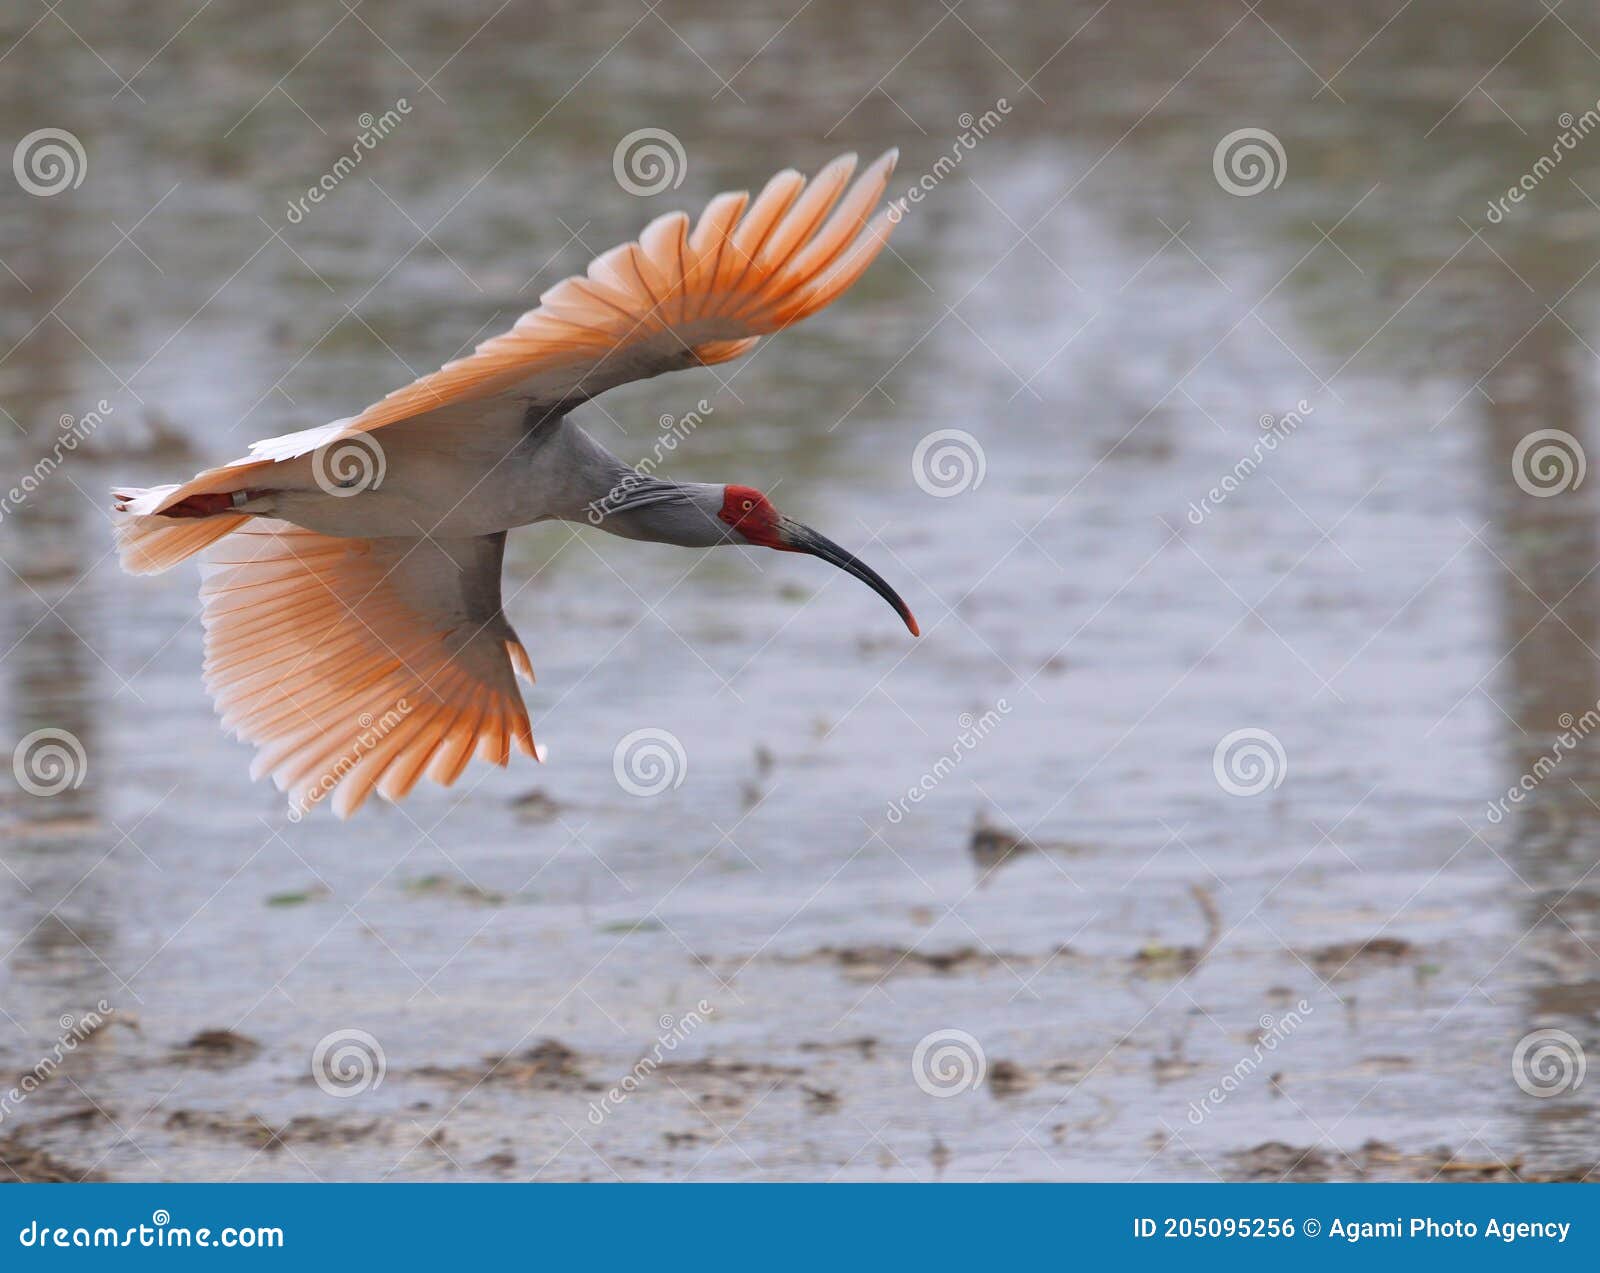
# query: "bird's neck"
620,499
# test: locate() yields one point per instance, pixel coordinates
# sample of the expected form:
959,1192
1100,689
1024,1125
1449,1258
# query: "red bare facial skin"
754,520
750,513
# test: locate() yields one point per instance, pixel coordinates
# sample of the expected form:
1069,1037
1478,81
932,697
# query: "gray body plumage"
444,482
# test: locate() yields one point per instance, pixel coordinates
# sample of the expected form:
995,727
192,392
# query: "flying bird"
351,577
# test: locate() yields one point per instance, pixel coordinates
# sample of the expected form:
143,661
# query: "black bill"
798,537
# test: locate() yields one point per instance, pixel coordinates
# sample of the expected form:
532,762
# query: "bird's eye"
748,505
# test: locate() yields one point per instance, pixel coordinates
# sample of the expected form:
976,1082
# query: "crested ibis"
359,643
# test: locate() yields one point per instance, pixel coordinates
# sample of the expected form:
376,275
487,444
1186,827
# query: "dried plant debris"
1007,1078
297,897
1351,955
678,1140
864,1045
993,845
500,1162
217,1049
871,962
1154,959
712,1083
1157,959
535,806
447,886
820,1099
255,1131
1274,1160
548,1065
28,1164
51,830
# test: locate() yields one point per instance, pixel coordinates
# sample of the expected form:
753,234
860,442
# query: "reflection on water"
1413,627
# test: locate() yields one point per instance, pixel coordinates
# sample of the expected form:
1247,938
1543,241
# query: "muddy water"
1349,956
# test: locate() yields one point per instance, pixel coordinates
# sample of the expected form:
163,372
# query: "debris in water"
993,846
296,897
217,1049
535,806
1340,956
30,1165
1007,1078
548,1065
627,927
445,886
1274,1160
863,1044
871,962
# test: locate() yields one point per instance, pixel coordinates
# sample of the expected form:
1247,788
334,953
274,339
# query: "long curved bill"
800,538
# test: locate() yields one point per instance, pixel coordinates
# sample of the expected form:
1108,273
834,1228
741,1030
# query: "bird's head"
751,517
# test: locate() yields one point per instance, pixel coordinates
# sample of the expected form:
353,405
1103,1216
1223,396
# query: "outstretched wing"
679,297
355,664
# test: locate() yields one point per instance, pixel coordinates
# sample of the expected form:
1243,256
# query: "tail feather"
148,544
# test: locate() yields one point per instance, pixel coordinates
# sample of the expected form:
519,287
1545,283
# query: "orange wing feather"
357,665
678,297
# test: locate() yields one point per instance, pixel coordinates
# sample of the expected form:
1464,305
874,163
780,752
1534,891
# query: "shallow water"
1082,296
